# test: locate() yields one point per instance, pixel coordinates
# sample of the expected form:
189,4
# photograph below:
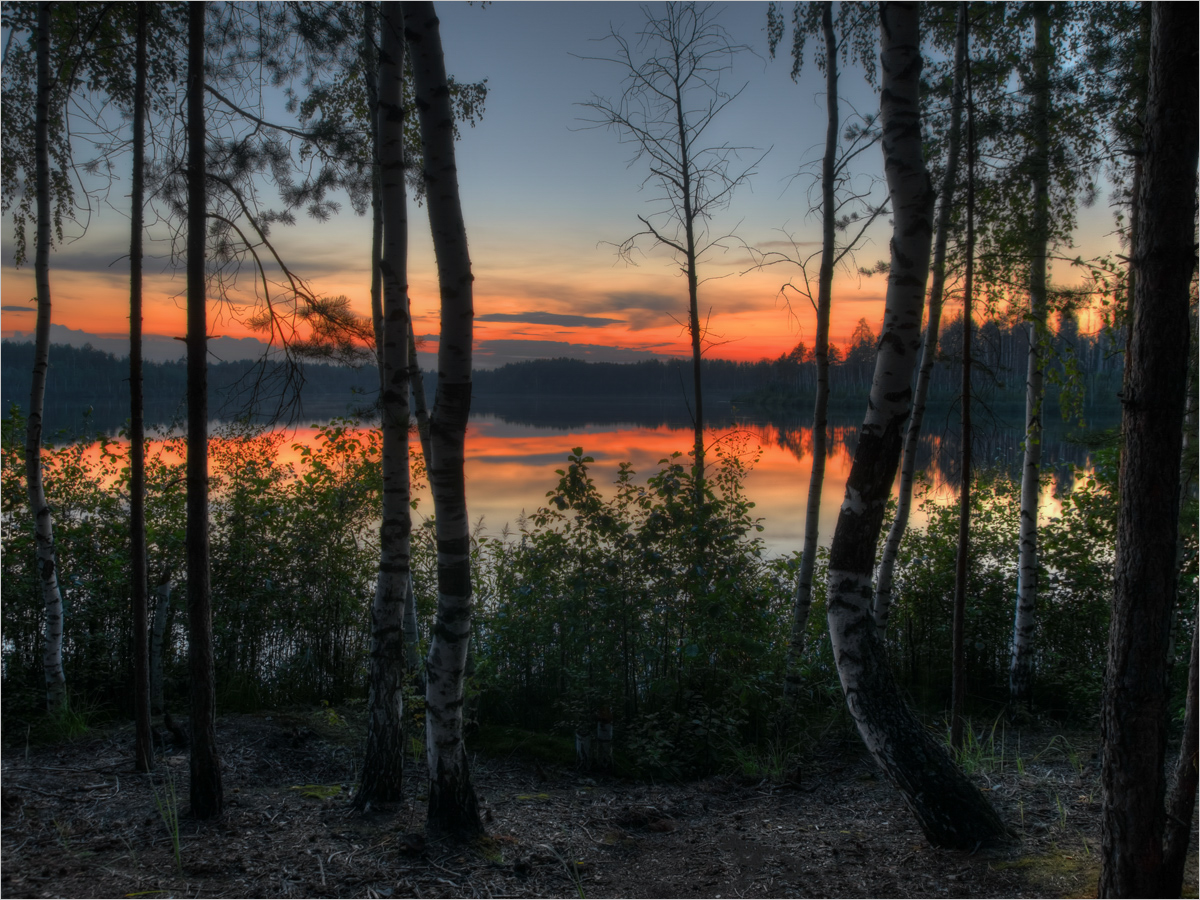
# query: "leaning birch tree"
1134,712
937,289
383,766
949,808
453,807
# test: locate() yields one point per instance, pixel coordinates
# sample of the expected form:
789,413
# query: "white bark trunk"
47,565
891,546
157,643
453,807
1020,682
383,765
949,808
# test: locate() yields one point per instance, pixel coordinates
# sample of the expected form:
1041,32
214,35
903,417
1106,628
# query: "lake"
514,447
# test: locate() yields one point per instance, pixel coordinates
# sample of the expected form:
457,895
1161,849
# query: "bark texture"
383,766
138,580
802,600
937,288
958,689
43,519
1134,712
1020,678
206,793
453,808
950,810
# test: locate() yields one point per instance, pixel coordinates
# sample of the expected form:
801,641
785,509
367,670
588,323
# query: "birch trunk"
47,565
1134,710
383,765
453,807
802,600
949,808
1020,678
908,465
206,792
143,740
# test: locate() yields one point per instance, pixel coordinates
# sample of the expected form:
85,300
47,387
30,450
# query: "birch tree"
929,348
1134,712
453,808
949,808
382,775
1020,681
52,665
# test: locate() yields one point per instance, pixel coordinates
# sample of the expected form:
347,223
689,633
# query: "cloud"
545,318
640,309
18,309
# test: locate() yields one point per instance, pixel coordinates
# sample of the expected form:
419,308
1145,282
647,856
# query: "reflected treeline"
998,441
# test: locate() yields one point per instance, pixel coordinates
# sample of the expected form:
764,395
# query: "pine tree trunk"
1134,711
1020,678
950,809
1181,802
912,437
958,688
143,741
802,599
162,611
453,807
383,765
47,564
206,792
371,79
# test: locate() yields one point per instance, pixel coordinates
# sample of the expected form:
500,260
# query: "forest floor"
78,822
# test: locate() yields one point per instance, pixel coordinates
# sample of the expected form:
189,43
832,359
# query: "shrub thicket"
627,602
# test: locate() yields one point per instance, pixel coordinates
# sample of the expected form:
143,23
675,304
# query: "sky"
546,198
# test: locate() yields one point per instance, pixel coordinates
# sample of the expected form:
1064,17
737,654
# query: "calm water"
513,450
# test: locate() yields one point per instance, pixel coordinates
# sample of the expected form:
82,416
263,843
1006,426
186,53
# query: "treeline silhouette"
567,391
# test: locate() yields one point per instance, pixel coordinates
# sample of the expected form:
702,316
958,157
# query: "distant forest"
86,378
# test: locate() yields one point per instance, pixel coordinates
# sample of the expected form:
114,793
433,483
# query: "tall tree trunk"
1181,802
206,793
371,77
802,599
383,766
52,665
143,741
1020,676
912,437
1134,710
950,809
162,610
453,807
958,693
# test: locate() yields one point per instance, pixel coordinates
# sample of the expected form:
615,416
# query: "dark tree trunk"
453,807
962,562
206,794
950,809
139,587
1135,707
802,600
47,562
383,766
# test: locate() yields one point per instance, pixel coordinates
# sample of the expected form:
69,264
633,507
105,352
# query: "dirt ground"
78,822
